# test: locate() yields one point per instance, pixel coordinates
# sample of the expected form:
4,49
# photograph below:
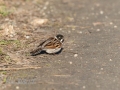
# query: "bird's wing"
35,52
50,43
44,42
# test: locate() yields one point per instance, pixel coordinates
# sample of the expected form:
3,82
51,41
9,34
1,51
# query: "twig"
8,69
62,75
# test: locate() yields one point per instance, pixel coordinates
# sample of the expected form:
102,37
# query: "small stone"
70,62
84,87
110,60
98,30
75,55
101,12
80,32
69,31
45,8
59,60
27,37
111,23
115,26
101,69
60,29
17,87
73,29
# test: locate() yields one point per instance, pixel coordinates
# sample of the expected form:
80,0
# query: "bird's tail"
36,52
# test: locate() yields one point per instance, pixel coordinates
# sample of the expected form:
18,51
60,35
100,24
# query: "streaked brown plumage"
51,45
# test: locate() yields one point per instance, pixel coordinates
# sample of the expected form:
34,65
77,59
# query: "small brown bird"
51,46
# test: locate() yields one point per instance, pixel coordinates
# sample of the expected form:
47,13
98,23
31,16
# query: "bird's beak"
62,40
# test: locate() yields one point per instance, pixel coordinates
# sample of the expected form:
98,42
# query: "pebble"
84,87
110,60
111,23
115,26
73,29
27,37
60,29
70,62
98,30
69,31
101,69
75,55
80,32
101,12
17,87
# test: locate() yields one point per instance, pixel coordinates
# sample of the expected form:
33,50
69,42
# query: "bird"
52,45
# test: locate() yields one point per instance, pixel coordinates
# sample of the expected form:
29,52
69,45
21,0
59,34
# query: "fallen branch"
8,69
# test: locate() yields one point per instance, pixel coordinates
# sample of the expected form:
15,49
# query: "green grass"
4,80
17,43
7,59
4,72
4,11
1,51
27,0
6,42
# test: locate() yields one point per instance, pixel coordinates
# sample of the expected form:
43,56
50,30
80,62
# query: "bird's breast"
53,50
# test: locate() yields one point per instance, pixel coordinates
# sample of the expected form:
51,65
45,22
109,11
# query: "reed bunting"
52,45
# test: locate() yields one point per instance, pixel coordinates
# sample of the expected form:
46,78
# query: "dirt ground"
90,59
